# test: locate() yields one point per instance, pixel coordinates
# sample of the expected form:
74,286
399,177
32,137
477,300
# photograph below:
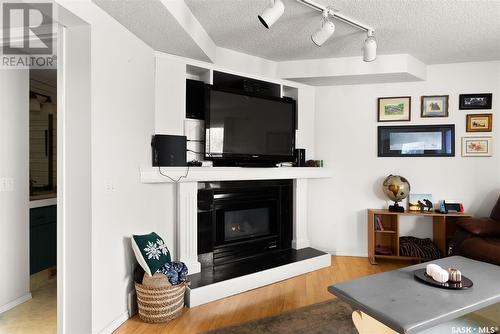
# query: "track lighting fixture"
272,13
320,36
370,48
276,9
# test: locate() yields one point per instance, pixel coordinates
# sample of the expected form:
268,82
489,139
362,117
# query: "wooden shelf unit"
443,228
376,231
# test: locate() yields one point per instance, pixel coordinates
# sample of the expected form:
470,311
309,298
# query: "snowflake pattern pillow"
150,251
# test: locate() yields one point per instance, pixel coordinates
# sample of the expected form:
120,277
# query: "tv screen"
240,126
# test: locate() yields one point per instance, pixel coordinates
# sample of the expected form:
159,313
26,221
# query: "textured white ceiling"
434,31
154,24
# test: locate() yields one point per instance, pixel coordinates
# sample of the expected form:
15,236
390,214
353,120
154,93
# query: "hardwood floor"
283,296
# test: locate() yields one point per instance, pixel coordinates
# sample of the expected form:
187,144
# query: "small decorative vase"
455,275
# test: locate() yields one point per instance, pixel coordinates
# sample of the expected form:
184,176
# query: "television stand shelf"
443,228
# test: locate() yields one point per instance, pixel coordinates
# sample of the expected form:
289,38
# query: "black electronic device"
194,163
168,150
247,130
195,99
300,157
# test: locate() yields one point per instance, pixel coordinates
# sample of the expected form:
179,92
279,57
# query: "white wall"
74,211
346,139
122,122
14,212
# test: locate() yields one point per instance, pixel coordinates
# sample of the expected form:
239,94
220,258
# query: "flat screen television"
245,129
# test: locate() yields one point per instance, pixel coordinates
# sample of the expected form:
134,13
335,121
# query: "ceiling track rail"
338,16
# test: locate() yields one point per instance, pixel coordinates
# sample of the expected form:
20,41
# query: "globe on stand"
397,188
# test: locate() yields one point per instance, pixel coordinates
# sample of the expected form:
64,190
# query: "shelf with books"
385,222
383,232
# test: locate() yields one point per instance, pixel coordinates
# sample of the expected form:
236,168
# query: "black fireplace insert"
239,220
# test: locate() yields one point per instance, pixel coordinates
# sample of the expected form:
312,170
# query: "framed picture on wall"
416,141
394,109
477,146
479,122
434,106
475,101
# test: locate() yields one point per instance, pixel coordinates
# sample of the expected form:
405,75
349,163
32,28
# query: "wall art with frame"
475,101
394,109
416,141
479,122
477,146
434,106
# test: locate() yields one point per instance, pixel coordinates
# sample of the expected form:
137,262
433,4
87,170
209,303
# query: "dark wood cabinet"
43,238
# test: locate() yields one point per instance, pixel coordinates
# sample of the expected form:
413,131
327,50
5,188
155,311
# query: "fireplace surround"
210,285
241,220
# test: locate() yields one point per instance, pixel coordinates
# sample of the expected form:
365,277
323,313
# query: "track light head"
320,36
370,48
272,13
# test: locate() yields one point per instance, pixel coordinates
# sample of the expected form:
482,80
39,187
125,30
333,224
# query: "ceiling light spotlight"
272,13
320,36
370,48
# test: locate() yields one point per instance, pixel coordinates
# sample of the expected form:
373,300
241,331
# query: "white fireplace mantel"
187,192
197,174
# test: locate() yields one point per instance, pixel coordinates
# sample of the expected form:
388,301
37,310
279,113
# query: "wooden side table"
443,228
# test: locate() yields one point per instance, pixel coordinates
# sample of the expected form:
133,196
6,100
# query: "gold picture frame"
479,122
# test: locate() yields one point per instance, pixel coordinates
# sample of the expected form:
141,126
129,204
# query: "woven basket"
160,304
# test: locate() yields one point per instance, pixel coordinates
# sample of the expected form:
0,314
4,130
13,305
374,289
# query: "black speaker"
195,99
300,157
168,150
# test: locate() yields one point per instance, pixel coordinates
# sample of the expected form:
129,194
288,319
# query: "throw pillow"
176,272
150,251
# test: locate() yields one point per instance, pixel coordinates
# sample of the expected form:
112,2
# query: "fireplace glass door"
245,221
241,224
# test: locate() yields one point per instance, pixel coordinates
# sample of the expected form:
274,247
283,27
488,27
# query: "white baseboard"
208,293
115,323
15,303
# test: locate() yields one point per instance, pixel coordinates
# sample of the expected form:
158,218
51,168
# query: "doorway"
71,179
38,314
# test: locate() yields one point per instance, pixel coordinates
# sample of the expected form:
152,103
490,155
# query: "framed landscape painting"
416,141
479,122
475,101
477,146
434,106
394,109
